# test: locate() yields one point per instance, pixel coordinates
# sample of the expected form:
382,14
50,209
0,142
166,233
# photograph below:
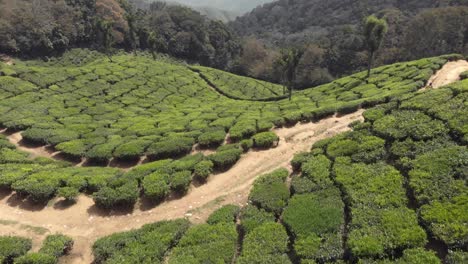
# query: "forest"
251,45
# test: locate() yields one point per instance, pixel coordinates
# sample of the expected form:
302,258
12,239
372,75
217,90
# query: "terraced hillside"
138,109
389,191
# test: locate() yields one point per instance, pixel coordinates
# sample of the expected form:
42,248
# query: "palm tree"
288,63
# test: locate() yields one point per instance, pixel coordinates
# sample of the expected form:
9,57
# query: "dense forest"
332,32
329,33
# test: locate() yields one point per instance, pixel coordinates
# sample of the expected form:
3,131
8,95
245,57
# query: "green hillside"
136,106
382,193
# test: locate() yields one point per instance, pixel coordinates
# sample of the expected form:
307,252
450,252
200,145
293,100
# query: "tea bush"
148,244
270,192
265,140
12,247
226,214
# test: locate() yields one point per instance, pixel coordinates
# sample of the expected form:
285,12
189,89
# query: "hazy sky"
229,5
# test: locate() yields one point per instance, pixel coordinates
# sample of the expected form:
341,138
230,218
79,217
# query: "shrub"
317,169
267,243
203,169
180,181
68,193
212,138
464,75
252,217
316,221
402,124
56,245
131,150
36,258
13,247
270,191
300,159
187,163
173,147
226,214
246,144
265,140
206,244
455,257
225,159
124,195
156,186
148,244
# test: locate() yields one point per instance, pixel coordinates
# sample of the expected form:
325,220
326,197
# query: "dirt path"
449,73
85,223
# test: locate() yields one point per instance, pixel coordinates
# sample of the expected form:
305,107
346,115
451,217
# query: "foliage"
13,247
270,192
203,169
206,244
36,258
223,160
226,214
265,140
267,243
252,217
148,244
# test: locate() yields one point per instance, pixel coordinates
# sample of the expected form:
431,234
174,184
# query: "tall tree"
374,32
152,43
288,62
107,37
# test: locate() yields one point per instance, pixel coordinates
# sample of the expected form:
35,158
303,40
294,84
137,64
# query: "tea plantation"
15,250
382,193
87,107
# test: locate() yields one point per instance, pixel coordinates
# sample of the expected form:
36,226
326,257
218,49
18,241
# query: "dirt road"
85,223
449,73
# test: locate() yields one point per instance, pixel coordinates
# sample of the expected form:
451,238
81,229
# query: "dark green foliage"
124,194
414,124
226,214
270,192
381,221
316,220
156,186
68,193
148,244
203,169
225,159
13,247
246,144
317,170
267,243
251,217
464,75
206,244
299,159
36,258
265,140
455,257
180,181
212,138
56,245
170,148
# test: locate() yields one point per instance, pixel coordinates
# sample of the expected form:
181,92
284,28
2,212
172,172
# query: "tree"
152,43
374,32
132,36
105,28
288,63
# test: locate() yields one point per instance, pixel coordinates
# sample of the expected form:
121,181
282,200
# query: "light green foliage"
265,140
206,244
270,192
13,247
36,258
203,169
265,244
56,245
252,217
226,214
316,220
148,244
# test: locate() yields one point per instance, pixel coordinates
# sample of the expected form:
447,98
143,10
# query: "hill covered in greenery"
136,108
382,193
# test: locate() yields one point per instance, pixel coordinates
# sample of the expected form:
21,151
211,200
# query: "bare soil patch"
449,73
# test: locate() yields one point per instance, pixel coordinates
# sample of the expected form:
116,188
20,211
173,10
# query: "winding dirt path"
448,74
85,223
